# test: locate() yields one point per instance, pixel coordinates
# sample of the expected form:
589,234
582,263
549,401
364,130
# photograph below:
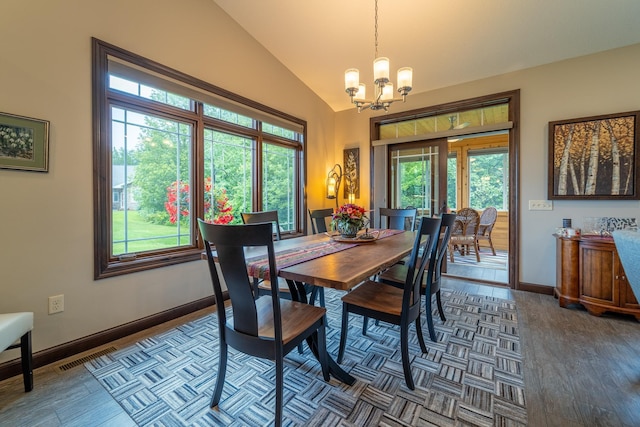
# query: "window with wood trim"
169,149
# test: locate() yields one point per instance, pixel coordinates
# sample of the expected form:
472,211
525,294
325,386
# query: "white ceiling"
446,42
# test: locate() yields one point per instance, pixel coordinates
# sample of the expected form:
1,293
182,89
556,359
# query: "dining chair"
319,219
15,332
396,219
399,219
487,222
464,233
264,216
395,275
267,327
398,306
263,287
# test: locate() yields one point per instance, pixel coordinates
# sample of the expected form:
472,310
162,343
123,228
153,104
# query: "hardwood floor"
579,370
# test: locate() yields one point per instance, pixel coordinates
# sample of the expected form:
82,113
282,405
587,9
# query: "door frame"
512,98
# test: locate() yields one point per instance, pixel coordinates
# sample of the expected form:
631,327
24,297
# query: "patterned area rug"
487,259
471,376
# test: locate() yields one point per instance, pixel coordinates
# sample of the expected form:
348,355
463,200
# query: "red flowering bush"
177,204
222,210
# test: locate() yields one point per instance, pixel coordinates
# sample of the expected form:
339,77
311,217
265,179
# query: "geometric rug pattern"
472,375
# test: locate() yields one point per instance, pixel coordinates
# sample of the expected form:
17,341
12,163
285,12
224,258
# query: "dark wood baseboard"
50,355
538,289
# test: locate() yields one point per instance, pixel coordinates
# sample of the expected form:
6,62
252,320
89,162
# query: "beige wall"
587,86
46,219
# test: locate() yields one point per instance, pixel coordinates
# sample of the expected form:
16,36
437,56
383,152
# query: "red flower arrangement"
348,217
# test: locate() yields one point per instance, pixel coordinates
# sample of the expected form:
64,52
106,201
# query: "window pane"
414,179
488,183
228,173
452,187
279,184
279,131
228,116
150,179
490,115
148,92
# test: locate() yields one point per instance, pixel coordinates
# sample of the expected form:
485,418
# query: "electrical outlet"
56,304
540,205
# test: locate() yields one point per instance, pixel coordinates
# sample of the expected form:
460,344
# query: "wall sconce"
333,182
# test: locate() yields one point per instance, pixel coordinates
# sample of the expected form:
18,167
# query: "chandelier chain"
376,30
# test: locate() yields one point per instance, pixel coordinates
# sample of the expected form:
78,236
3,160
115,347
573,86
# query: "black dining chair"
263,287
268,327
399,219
319,219
432,277
264,216
398,306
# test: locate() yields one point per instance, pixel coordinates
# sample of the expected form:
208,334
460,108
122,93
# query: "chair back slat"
423,246
435,266
400,219
264,216
318,219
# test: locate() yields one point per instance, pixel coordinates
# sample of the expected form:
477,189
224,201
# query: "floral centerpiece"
348,219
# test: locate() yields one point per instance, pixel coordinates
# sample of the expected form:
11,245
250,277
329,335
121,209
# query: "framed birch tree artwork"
594,158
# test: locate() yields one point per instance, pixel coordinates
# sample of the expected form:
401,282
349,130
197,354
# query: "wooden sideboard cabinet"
589,272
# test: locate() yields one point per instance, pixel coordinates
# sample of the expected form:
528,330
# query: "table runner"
259,266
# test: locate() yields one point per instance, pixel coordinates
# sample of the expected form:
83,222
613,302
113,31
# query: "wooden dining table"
343,269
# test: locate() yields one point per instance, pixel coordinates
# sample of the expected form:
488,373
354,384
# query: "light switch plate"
540,205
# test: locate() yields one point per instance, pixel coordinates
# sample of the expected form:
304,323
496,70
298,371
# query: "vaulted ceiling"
447,42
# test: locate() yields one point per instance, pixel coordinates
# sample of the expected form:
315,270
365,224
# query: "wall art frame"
24,143
594,158
351,174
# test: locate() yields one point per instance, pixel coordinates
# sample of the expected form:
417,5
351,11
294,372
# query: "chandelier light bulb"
381,70
405,78
351,79
361,95
387,92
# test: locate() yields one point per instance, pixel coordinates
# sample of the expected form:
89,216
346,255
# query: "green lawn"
159,236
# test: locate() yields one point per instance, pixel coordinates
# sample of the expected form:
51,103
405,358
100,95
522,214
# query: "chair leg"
493,250
279,387
427,311
222,371
321,293
404,349
343,333
27,361
365,325
440,310
323,358
423,346
475,244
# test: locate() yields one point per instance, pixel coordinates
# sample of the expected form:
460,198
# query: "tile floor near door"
579,370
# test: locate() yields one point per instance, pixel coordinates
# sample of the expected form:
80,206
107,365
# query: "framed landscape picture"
594,158
24,143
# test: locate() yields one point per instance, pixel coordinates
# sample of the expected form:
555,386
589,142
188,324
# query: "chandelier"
382,87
